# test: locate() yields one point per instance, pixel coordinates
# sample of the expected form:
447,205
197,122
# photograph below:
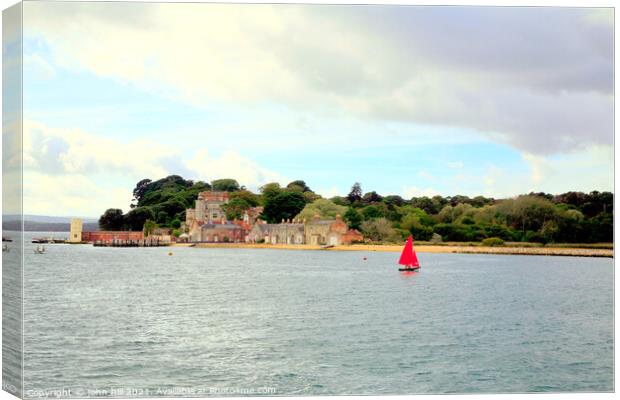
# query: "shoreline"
445,249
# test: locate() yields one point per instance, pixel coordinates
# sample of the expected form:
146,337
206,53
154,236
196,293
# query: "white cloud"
456,164
71,195
231,164
72,172
408,68
72,151
591,169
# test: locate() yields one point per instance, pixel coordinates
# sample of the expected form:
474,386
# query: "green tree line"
572,217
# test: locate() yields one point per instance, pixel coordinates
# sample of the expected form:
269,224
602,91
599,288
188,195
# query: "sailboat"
408,257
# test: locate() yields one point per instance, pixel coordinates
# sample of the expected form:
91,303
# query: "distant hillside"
42,223
33,226
45,218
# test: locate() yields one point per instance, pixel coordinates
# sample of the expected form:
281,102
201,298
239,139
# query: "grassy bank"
598,250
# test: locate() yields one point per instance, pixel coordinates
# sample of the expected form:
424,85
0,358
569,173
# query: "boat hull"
409,269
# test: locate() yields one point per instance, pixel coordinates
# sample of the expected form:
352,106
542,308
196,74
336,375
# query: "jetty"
131,243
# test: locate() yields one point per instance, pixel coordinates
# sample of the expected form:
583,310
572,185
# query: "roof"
221,226
269,227
322,222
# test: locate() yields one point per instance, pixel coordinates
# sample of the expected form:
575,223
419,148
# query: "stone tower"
75,235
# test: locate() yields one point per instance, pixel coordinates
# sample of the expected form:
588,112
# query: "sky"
406,100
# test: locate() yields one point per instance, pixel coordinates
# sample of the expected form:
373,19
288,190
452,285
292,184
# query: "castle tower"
75,235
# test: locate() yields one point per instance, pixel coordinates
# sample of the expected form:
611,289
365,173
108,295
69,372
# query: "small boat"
50,239
6,239
408,257
5,248
39,250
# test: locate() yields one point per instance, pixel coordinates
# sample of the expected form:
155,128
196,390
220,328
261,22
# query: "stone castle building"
208,208
207,222
284,233
316,232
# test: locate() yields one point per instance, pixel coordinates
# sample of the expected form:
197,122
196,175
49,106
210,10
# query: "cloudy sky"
406,100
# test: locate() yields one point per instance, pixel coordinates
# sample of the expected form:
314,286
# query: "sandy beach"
465,249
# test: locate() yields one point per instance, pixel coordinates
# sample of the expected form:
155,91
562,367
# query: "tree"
135,219
149,227
325,209
162,217
284,205
225,185
393,200
235,208
311,196
353,218
141,189
411,223
372,212
298,185
252,199
341,201
371,197
452,214
111,220
529,212
379,230
355,194
174,206
425,203
269,191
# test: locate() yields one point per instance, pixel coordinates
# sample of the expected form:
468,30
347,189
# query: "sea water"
139,322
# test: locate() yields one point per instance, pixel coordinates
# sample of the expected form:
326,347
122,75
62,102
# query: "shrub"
436,238
492,241
422,232
536,237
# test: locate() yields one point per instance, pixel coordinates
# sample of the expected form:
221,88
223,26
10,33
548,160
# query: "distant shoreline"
464,249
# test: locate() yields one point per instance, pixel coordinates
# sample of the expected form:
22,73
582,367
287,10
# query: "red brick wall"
108,236
350,236
214,196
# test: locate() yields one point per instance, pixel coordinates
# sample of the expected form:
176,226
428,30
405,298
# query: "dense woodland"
572,217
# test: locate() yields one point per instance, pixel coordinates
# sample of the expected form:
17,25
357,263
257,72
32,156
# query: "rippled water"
314,322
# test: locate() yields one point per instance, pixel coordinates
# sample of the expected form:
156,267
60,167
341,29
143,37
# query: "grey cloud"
538,78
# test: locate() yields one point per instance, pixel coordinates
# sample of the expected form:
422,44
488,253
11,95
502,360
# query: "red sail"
408,256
